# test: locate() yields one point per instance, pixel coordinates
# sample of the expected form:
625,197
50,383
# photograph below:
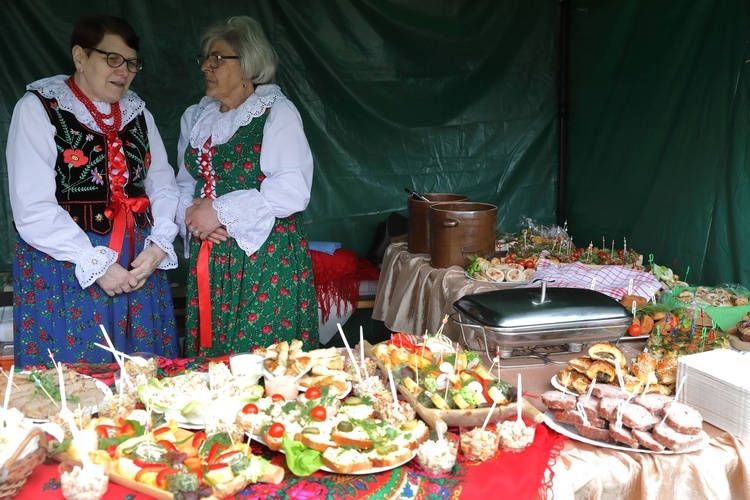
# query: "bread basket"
15,471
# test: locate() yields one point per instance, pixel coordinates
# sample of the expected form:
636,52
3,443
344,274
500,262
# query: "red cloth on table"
337,279
508,475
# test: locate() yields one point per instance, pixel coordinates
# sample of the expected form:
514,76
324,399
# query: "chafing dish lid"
522,307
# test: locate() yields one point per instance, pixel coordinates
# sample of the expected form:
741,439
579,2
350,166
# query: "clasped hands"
119,280
202,221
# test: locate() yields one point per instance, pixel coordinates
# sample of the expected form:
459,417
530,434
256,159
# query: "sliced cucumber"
344,426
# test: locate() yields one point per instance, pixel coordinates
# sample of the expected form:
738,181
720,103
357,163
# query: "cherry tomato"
520,262
250,408
509,260
313,393
603,256
318,413
621,253
277,398
634,330
276,430
528,264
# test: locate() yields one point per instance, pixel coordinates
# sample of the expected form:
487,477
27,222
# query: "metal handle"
543,297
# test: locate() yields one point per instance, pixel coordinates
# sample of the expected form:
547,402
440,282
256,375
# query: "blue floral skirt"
52,312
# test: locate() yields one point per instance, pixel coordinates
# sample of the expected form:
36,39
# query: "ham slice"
684,419
638,417
647,440
653,402
625,436
573,417
675,441
556,400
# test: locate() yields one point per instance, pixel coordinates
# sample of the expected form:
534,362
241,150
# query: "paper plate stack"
717,384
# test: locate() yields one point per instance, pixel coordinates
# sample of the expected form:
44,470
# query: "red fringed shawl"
337,279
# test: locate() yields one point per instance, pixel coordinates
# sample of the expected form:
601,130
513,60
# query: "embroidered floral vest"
81,170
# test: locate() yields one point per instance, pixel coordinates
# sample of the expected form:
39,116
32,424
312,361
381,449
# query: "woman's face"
97,79
225,82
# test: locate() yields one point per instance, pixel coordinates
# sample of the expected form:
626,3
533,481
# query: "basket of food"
19,466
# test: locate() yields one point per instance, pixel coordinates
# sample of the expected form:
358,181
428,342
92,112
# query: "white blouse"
31,156
285,159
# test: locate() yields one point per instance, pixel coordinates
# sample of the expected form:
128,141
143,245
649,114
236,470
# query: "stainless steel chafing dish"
526,318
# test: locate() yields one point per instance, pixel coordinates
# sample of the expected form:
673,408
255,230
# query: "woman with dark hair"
93,199
245,173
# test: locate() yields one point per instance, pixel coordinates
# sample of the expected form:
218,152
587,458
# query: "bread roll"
633,384
580,364
644,372
666,369
602,371
647,359
570,379
604,351
627,301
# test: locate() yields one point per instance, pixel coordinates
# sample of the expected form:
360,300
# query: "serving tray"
440,420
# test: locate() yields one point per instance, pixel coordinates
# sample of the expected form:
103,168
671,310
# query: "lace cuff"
247,217
170,260
93,264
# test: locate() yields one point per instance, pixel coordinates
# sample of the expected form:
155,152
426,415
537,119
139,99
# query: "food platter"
182,422
302,388
571,432
373,470
499,284
557,385
90,410
116,477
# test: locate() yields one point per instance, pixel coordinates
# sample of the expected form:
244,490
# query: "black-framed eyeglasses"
115,60
213,59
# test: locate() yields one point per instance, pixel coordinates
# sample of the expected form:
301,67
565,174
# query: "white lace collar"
55,87
208,121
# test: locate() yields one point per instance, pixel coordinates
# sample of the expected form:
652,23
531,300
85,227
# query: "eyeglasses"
115,60
213,59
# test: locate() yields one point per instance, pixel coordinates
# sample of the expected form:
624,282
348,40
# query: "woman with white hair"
245,174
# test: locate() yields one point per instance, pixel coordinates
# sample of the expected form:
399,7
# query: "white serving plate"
373,470
499,284
571,432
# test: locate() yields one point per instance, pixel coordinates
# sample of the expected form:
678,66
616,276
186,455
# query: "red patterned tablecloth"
518,476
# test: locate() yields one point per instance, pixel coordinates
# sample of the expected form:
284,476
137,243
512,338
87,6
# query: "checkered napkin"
609,280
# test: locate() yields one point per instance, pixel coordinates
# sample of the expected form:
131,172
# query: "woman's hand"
146,263
117,280
202,221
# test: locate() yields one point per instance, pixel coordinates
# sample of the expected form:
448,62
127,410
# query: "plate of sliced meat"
650,423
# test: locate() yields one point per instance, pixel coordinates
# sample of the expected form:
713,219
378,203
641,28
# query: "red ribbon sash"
204,295
121,212
121,209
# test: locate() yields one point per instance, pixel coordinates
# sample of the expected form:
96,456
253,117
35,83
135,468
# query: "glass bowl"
438,456
479,445
515,435
247,365
77,484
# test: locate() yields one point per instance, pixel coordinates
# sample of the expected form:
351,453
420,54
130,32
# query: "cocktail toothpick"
393,386
349,351
362,351
519,399
115,353
8,389
487,418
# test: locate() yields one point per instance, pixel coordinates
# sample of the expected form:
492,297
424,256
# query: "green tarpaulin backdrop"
462,96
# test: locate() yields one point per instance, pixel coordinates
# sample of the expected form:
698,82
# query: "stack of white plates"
717,383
